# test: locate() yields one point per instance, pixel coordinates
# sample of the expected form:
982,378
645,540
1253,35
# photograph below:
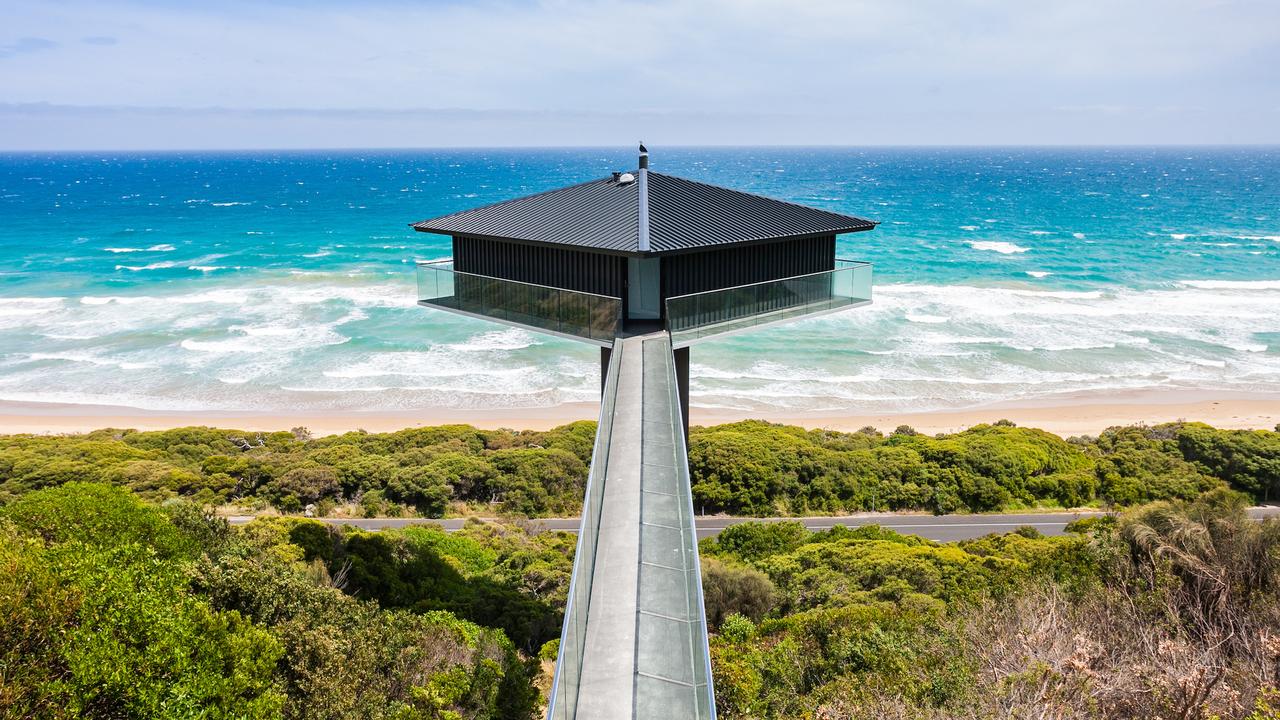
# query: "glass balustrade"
700,315
573,635
585,316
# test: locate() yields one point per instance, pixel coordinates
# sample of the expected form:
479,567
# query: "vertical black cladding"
568,268
745,264
606,274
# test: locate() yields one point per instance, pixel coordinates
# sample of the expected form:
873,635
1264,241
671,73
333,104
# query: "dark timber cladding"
745,264
560,267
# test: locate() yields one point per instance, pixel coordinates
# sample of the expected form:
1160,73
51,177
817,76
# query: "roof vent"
616,175
626,179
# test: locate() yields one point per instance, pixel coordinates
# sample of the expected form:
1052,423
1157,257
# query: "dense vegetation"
746,468
122,596
112,608
1170,612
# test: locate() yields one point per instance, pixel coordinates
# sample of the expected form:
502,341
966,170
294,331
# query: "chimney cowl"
617,174
644,157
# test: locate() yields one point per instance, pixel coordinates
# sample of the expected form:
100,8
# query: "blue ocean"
284,281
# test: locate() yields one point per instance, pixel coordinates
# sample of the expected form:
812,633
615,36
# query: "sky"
152,74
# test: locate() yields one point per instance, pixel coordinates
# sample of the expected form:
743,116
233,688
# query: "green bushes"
1168,611
422,469
730,588
755,468
493,576
857,608
96,619
1249,460
110,607
745,468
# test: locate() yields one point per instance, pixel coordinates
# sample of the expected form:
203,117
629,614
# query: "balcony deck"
576,315
700,316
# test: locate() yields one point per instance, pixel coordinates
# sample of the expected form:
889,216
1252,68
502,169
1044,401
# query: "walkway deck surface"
635,635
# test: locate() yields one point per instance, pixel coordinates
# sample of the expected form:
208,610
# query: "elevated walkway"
634,643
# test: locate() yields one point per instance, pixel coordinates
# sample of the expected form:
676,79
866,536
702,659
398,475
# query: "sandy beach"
1076,415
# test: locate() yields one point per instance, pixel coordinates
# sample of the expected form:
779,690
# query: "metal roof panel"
604,215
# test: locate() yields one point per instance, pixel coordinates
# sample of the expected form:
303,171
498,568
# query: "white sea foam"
26,307
1273,238
267,339
1041,232
164,247
929,319
1004,248
1233,284
152,266
1180,236
509,339
286,344
229,204
1078,235
1039,273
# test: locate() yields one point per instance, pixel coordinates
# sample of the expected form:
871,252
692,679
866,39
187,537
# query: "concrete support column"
682,385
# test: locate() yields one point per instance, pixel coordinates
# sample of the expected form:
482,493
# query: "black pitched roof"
604,215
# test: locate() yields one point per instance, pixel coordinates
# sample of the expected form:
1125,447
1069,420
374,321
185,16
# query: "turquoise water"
283,281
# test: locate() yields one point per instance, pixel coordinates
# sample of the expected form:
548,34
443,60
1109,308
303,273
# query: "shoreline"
1079,414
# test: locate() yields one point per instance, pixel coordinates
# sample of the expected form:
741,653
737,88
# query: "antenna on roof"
643,192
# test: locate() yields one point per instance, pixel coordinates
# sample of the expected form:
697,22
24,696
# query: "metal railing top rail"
449,261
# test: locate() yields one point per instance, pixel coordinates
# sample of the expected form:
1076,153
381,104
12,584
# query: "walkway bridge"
608,261
634,643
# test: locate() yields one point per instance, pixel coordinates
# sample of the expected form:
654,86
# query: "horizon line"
679,146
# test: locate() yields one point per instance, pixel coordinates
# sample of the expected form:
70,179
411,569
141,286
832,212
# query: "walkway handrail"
558,707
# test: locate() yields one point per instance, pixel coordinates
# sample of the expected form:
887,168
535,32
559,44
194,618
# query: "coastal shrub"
744,468
750,541
493,576
730,588
97,515
422,487
303,484
1248,460
405,664
1137,465
97,618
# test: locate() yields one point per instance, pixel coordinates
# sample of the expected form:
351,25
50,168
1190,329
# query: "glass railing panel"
566,312
700,315
568,674
672,656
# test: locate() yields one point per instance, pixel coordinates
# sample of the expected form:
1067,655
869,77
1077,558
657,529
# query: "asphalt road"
945,528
